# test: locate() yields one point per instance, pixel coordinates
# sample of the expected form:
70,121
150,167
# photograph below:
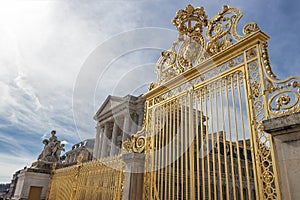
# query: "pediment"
108,105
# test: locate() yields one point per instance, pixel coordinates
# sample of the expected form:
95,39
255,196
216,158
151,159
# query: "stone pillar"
109,139
96,145
104,141
134,125
286,140
133,176
113,149
100,142
126,127
119,144
141,119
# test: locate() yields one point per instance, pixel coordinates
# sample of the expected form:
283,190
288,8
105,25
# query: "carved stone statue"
52,149
57,150
53,137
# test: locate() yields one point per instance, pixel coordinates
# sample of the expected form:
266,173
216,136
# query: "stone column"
286,140
114,139
96,144
133,176
126,127
141,119
134,125
119,144
104,141
100,142
109,139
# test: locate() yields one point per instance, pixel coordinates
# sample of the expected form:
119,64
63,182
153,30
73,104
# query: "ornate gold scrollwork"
221,30
193,47
136,144
255,89
283,95
284,102
249,28
266,62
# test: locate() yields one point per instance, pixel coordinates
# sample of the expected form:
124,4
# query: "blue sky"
45,46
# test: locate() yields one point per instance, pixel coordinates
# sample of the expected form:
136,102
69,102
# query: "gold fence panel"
61,183
203,122
99,179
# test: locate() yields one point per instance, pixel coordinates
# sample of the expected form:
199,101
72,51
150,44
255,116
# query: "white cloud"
44,45
10,164
64,142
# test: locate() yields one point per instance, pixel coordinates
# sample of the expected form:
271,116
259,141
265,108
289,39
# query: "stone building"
83,148
117,119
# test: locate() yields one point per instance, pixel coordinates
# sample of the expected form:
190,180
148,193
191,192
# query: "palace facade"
117,119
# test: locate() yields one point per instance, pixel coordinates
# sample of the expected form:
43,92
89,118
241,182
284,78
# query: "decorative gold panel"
193,46
91,180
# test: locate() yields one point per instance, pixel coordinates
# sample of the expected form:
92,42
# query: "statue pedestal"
44,166
32,184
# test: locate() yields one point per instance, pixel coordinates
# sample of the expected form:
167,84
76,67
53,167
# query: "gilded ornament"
250,28
193,47
136,144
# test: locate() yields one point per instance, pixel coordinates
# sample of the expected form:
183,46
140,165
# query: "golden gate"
203,136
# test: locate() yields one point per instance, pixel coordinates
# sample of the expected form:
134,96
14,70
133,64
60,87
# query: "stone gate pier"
286,138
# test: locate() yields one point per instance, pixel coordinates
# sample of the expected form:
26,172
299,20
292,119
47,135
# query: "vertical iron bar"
174,148
186,149
212,121
237,136
230,139
191,137
177,152
202,145
182,150
166,151
218,140
197,145
244,137
207,145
